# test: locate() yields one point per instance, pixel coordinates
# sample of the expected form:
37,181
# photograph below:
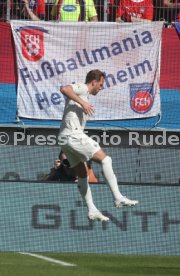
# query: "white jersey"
74,118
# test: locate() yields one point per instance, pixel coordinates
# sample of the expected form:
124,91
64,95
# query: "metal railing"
106,10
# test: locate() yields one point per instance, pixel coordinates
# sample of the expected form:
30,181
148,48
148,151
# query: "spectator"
167,10
33,9
61,170
135,11
14,10
112,9
48,8
74,10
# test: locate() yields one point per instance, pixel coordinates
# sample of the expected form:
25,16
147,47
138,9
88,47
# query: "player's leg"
80,169
106,163
85,191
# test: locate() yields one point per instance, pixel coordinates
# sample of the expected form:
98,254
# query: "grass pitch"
15,264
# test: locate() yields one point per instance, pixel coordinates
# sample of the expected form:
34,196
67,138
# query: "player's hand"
57,164
88,108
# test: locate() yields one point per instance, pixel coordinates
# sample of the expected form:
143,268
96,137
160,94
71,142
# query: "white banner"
50,55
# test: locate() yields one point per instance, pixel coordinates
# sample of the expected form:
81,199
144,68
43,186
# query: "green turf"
13,264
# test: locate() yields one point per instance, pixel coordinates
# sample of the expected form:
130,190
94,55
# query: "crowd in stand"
92,10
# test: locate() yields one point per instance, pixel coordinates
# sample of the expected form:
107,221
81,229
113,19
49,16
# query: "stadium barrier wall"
138,156
42,217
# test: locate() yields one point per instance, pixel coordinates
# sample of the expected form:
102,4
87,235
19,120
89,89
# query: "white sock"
110,177
85,192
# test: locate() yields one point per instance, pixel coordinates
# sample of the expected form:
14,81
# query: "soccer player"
80,148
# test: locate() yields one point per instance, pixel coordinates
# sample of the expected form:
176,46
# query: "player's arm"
69,92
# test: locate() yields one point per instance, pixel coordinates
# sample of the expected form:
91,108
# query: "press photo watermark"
132,138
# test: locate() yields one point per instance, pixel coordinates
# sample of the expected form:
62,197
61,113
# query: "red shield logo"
32,41
141,97
142,101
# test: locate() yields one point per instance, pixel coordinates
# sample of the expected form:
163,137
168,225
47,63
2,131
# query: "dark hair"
94,75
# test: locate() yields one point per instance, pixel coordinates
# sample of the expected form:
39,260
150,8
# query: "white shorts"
78,148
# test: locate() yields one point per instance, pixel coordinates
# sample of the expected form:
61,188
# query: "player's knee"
107,160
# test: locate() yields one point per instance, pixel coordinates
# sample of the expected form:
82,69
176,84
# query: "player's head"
95,79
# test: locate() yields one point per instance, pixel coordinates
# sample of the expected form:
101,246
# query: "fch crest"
32,42
141,97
